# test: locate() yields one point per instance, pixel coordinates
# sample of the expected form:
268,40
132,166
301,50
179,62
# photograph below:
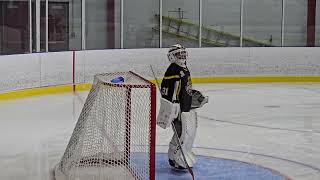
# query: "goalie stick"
175,131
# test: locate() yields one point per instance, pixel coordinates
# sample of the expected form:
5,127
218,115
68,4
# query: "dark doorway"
14,27
58,25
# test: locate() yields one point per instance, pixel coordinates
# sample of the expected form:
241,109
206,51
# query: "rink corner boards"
23,93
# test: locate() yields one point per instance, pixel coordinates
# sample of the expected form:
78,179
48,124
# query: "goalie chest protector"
173,74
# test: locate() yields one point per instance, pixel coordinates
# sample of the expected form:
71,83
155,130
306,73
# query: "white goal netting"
114,137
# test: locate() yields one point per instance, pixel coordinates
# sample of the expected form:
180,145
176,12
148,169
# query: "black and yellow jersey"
176,86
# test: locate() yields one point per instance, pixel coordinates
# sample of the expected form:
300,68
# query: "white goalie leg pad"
189,123
167,113
192,157
175,154
188,134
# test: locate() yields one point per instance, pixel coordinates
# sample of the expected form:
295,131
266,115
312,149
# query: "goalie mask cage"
114,137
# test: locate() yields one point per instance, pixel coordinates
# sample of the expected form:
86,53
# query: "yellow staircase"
182,28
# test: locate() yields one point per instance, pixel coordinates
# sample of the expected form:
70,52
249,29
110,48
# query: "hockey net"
114,137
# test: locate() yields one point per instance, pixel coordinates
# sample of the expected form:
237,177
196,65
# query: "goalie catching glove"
198,100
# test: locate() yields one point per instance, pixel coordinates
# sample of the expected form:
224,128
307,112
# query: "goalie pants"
186,127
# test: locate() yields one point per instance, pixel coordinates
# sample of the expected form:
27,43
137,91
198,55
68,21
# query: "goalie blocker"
167,113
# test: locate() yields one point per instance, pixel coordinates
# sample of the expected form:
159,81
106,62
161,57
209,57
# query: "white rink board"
19,72
137,60
274,61
43,69
56,68
35,70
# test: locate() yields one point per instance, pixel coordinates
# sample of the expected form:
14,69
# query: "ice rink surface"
276,126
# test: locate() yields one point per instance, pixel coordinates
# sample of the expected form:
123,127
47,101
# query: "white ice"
273,125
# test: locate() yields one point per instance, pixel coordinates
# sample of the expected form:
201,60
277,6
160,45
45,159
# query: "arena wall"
274,64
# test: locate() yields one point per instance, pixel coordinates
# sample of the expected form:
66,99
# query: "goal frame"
146,84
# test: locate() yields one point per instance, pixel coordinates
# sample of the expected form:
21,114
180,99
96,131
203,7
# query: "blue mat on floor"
208,168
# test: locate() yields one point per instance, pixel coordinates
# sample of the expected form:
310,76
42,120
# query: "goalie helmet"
178,54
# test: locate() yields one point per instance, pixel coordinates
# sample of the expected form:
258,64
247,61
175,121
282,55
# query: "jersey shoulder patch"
182,73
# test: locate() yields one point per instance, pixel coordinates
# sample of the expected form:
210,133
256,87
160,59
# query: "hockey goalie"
178,104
